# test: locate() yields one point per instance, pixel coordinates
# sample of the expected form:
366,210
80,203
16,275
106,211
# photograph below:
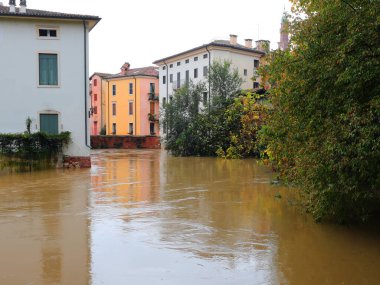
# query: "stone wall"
125,142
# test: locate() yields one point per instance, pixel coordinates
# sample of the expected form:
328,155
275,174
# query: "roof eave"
91,20
206,46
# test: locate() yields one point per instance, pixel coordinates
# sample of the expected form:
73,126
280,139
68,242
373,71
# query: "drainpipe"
167,89
209,86
85,81
135,105
108,109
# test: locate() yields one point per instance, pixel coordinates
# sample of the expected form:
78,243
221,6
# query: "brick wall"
125,142
76,162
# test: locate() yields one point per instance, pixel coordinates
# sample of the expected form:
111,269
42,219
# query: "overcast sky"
142,31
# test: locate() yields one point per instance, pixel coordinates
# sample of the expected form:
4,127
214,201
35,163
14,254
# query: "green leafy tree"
324,133
244,118
192,127
179,113
225,83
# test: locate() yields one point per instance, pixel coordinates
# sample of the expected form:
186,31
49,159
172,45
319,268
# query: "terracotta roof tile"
4,11
142,71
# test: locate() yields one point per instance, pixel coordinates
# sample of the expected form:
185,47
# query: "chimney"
12,6
124,68
233,40
22,6
263,45
248,43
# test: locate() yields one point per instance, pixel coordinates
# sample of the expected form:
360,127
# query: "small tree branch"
352,7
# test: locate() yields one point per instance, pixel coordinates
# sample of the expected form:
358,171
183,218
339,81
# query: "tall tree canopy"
324,134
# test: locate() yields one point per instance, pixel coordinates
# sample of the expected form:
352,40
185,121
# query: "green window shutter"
48,69
49,123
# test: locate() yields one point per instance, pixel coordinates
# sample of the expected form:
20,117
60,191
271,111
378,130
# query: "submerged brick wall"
76,162
125,142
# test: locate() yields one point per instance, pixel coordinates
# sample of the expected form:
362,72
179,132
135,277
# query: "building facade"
98,86
131,100
44,74
194,64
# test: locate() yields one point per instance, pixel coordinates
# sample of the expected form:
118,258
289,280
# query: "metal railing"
152,117
152,96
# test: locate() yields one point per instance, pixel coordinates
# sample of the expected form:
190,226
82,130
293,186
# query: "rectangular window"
49,123
164,68
130,108
95,110
113,90
256,63
95,82
48,69
152,88
114,128
204,98
130,88
205,71
178,79
171,78
113,108
205,55
186,61
245,72
152,129
47,33
164,79
164,101
187,77
255,85
171,66
130,128
196,58
95,97
178,63
196,73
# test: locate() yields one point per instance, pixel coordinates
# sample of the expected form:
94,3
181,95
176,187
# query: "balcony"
153,96
153,117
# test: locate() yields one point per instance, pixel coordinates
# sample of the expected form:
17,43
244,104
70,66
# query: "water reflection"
205,218
212,221
143,217
44,228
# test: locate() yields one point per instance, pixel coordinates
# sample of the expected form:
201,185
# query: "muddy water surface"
143,217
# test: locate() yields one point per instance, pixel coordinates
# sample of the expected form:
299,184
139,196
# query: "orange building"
128,102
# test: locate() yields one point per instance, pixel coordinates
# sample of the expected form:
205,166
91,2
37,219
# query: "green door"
49,123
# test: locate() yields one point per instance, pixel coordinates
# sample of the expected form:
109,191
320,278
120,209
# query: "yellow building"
132,102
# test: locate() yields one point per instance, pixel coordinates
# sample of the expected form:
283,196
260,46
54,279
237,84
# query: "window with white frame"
47,33
48,69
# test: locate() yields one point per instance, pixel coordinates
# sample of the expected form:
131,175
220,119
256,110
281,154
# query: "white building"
44,74
194,64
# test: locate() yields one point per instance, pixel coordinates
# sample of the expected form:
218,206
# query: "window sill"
48,86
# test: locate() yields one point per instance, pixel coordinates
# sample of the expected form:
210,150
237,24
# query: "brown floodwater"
144,217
